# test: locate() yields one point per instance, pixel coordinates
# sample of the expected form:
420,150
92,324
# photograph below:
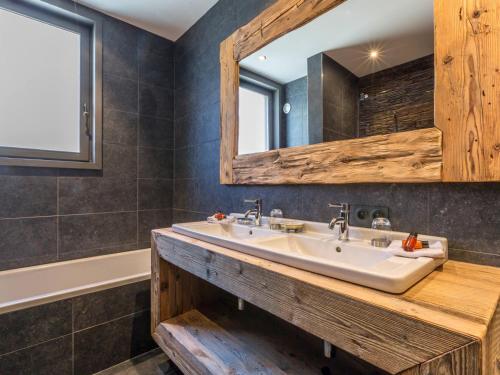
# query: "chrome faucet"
342,221
256,212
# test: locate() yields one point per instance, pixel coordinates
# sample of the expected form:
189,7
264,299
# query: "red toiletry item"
411,242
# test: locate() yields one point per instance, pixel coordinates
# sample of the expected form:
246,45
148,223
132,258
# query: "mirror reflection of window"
349,73
254,120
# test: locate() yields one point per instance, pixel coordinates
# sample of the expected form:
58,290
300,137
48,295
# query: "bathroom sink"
327,249
201,230
318,250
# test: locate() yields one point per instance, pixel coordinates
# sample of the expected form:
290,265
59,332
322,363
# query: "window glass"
40,102
253,121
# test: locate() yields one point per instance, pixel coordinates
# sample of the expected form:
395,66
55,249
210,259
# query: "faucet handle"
342,206
254,201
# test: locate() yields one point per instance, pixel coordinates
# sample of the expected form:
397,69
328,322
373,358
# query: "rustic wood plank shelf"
446,324
218,339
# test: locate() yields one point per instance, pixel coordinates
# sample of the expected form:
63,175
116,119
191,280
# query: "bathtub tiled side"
80,335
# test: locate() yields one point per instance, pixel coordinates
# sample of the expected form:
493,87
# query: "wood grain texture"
463,361
211,348
218,339
387,339
229,84
467,102
173,290
491,344
277,20
413,156
461,297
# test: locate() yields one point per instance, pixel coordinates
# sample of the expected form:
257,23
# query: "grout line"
34,345
28,217
194,145
73,331
113,320
72,335
57,219
174,115
138,134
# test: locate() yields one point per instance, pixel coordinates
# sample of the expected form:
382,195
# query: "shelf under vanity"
448,323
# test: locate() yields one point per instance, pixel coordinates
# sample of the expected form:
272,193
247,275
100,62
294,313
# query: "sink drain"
338,249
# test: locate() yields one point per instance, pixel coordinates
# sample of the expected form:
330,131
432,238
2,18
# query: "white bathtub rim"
64,262
42,299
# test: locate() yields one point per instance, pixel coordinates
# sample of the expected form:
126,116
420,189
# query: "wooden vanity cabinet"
447,324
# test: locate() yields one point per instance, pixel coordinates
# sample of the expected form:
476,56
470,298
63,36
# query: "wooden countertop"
459,297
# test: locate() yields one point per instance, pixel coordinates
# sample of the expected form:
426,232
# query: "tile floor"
154,362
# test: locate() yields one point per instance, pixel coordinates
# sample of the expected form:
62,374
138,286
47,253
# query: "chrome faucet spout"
334,222
249,212
342,221
255,212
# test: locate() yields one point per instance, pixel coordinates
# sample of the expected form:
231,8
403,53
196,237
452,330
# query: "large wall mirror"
347,74
348,91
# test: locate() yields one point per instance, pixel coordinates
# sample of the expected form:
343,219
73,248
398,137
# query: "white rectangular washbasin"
318,250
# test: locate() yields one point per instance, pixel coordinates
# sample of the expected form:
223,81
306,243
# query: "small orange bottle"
411,242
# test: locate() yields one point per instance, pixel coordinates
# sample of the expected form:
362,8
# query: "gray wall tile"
156,132
155,163
120,93
96,234
152,219
468,214
155,101
486,259
150,43
119,161
25,196
49,358
155,194
155,67
33,326
105,345
92,195
120,49
25,242
97,308
120,128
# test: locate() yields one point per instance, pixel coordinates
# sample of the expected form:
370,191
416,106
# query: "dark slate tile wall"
296,120
465,213
79,336
48,215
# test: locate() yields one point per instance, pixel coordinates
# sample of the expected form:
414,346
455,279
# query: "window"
255,118
50,112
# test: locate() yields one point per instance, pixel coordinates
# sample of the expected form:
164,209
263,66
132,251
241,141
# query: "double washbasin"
319,250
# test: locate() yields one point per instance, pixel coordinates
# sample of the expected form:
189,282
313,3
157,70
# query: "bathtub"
32,286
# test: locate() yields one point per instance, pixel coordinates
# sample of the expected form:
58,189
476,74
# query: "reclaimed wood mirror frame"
464,145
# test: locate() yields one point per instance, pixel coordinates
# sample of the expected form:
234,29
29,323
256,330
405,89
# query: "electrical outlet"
362,216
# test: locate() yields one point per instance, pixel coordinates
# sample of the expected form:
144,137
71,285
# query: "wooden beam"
229,84
413,156
467,93
277,20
